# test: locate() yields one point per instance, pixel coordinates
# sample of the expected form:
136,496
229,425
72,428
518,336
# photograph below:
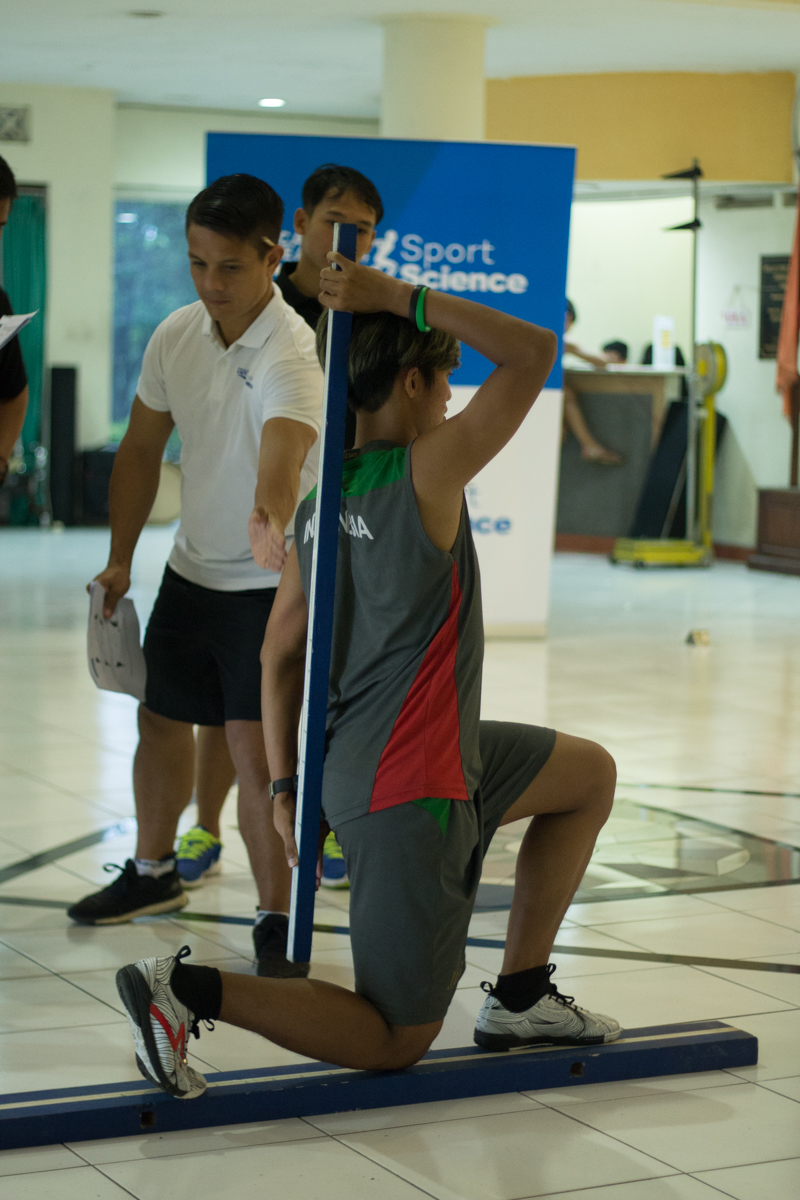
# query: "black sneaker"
130,895
270,937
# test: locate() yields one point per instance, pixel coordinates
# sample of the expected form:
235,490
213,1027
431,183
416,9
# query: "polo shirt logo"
242,373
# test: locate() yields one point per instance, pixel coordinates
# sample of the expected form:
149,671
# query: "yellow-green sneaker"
334,869
197,856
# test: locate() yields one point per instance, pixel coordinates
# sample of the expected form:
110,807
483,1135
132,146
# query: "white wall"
71,152
163,149
756,450
624,270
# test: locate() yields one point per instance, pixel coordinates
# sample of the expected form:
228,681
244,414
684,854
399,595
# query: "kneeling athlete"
415,784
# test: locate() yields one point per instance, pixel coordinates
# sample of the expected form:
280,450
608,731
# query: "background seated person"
616,352
574,420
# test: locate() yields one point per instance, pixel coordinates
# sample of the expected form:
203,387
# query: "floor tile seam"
749,986
596,1187
377,1163
29,957
114,1182
76,1166
196,1153
444,1120
764,1083
572,1116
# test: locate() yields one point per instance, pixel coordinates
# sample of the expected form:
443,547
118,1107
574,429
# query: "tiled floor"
705,724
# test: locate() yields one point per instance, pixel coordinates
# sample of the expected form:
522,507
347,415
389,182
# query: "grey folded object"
116,658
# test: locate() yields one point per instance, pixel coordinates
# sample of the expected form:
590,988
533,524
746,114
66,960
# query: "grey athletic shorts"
414,871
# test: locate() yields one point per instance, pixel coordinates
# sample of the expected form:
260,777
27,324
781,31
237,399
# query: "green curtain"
25,280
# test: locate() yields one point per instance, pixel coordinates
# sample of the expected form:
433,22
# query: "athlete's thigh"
576,769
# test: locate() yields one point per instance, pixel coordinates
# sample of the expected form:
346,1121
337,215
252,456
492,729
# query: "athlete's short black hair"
239,206
381,346
8,184
332,178
620,348
573,316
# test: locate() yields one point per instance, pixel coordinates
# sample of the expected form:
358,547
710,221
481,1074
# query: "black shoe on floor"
131,895
270,936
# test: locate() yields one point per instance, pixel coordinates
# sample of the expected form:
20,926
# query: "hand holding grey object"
116,659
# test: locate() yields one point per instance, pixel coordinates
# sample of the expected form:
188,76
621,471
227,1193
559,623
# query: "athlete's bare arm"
447,457
132,493
284,446
283,658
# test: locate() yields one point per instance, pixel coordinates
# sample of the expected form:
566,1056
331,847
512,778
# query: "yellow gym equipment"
710,371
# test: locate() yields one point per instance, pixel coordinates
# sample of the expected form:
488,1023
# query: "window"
151,280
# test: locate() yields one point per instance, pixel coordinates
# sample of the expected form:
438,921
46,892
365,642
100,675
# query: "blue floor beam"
305,1090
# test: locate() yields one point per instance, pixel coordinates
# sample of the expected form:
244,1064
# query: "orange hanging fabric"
787,376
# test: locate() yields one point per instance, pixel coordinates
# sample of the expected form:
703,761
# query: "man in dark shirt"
13,380
332,193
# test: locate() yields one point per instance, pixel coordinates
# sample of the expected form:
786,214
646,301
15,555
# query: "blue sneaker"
334,870
197,856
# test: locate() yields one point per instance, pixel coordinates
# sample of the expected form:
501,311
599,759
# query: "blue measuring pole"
320,621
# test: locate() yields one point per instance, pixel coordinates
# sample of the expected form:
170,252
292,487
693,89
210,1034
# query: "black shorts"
202,652
414,871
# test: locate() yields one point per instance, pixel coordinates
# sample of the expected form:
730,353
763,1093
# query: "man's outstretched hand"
267,540
115,581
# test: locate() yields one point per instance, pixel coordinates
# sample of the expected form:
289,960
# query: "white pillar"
433,77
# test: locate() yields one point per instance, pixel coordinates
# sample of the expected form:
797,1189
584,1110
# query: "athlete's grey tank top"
404,698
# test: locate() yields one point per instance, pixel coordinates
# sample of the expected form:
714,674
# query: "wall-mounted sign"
774,272
736,314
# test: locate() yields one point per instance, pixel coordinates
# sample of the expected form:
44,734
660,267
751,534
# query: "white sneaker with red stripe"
160,1024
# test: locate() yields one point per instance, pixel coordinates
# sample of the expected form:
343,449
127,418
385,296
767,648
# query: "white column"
433,77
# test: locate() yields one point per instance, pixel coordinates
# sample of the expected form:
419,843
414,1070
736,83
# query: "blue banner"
485,220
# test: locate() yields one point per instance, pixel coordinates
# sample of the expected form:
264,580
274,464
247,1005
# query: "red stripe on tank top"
423,754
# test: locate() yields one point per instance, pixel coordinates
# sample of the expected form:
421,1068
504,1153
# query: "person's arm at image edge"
282,669
12,418
131,494
285,444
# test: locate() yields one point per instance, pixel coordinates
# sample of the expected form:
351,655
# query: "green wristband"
420,314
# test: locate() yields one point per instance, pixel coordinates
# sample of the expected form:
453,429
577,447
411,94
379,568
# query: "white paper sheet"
10,326
116,659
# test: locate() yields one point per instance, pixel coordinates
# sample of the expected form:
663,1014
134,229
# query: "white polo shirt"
219,399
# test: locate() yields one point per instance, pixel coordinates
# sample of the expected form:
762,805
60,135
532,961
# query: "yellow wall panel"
642,125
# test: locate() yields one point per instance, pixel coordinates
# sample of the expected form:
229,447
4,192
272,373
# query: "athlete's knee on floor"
407,1045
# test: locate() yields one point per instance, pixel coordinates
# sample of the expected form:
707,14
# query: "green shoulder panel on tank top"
365,472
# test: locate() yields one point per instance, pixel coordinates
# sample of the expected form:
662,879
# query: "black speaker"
96,468
63,389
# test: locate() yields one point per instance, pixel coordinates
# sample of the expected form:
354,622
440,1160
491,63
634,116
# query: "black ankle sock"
520,990
199,988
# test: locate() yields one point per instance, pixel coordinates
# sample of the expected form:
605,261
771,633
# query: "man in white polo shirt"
237,374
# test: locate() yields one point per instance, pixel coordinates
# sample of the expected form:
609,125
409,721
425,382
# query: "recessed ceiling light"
271,103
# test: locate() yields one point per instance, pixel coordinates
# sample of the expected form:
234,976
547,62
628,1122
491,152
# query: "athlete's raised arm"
447,456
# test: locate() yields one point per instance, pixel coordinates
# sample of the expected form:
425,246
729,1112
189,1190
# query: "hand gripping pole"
320,621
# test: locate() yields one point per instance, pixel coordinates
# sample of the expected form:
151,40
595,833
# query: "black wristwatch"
283,785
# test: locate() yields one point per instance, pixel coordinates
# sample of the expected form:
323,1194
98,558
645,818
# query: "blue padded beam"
272,1093
320,621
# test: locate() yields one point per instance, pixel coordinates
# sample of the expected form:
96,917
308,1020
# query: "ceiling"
324,56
